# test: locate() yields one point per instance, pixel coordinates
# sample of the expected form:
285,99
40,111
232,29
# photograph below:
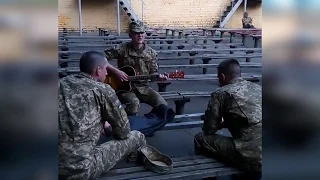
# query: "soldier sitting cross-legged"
85,104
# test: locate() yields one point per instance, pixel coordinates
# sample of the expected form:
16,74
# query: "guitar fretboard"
143,77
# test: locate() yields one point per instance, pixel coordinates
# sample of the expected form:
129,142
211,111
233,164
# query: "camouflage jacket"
240,106
84,105
247,21
144,62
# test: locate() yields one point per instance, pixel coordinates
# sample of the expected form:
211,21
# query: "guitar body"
126,86
117,85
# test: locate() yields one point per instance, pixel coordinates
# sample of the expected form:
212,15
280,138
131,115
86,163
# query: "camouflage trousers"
106,155
132,100
223,149
248,26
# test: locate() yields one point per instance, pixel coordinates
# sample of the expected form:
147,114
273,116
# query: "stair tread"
225,13
126,6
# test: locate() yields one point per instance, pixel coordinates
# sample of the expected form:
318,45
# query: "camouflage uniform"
247,22
240,105
145,63
84,105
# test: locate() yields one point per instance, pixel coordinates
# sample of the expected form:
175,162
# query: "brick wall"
254,10
157,13
95,14
181,13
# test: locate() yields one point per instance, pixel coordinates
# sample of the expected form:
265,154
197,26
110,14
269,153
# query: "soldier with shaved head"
85,105
237,106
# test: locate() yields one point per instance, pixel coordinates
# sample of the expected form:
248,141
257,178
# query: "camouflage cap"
136,26
155,161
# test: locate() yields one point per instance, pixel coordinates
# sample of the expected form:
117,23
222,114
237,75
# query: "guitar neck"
143,77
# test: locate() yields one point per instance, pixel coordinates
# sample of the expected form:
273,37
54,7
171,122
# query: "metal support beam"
233,10
118,16
245,5
80,17
142,7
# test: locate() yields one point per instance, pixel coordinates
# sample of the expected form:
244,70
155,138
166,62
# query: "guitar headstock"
177,74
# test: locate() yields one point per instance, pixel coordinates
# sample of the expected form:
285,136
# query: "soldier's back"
243,110
79,119
246,97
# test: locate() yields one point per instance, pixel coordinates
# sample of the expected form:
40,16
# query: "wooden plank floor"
190,167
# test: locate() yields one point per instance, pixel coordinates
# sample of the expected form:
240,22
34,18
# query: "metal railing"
142,8
233,3
222,11
235,6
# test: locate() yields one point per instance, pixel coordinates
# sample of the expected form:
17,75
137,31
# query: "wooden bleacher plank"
176,163
194,115
190,157
228,29
243,65
182,167
184,93
209,50
214,76
149,174
179,50
256,35
173,97
183,125
112,37
151,45
212,56
203,173
177,38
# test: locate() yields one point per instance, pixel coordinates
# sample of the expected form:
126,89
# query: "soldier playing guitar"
142,59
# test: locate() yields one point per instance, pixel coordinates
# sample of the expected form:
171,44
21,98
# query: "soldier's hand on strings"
163,77
122,76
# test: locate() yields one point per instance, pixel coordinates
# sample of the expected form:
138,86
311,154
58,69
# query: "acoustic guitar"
119,86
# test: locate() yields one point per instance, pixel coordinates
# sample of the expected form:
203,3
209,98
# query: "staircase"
126,6
226,15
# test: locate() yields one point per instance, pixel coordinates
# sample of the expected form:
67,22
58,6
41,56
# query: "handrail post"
80,16
142,7
245,5
118,17
220,15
